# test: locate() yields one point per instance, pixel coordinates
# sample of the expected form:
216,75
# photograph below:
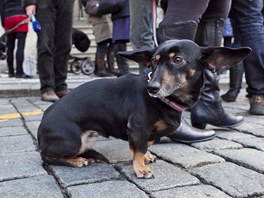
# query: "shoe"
256,105
49,96
187,134
11,75
23,76
62,93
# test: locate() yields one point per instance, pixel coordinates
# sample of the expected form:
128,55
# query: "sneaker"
62,93
49,96
256,105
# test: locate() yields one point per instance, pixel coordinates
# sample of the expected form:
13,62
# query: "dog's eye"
178,60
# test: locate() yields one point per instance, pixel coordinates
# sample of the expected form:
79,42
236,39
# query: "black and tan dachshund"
140,109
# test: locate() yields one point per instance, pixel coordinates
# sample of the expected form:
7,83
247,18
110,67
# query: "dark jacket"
11,8
26,3
124,12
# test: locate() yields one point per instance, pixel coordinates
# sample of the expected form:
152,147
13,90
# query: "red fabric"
12,21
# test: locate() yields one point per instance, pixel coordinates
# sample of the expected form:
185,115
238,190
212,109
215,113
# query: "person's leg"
249,20
21,40
11,38
141,32
208,109
46,14
122,63
63,30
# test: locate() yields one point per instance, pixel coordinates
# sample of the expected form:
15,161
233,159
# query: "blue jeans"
249,20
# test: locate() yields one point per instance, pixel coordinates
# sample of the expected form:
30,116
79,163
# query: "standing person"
13,14
249,20
203,24
53,45
121,26
141,29
103,30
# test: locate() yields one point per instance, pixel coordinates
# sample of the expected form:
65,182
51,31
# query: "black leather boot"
187,134
111,61
122,62
183,30
235,76
209,109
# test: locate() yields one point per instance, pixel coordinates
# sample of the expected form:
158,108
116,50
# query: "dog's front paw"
149,158
143,171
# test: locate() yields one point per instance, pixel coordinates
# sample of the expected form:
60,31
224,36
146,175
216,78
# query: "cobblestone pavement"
230,165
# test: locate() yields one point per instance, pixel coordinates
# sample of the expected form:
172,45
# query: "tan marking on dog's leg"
149,158
88,139
141,170
160,125
76,161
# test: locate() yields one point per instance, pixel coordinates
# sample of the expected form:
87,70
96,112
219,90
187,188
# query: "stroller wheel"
87,66
75,67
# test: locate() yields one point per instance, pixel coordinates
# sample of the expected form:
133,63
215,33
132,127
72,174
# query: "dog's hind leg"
93,156
66,161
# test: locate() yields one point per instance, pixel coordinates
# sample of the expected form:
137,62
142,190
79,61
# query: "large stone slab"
166,176
250,158
16,144
114,150
95,172
12,131
216,144
37,187
198,191
184,155
234,180
108,189
17,122
20,165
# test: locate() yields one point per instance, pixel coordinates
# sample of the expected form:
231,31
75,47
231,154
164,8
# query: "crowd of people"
199,20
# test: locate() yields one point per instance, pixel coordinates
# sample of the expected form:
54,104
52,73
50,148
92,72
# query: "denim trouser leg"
249,20
54,42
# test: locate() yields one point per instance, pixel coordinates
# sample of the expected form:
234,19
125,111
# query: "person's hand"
31,9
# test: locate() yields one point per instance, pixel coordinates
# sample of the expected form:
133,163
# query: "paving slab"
12,131
232,179
108,189
165,176
42,186
20,165
198,191
184,155
94,172
250,158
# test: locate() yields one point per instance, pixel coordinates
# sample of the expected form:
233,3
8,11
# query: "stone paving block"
232,135
12,131
255,129
216,144
199,191
94,172
11,123
254,142
114,150
184,155
251,158
234,180
33,127
108,189
38,187
165,176
20,165
16,144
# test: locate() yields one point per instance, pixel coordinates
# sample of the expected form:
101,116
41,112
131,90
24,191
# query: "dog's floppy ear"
142,57
218,58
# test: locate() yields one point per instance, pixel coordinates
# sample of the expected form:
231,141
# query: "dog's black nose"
153,87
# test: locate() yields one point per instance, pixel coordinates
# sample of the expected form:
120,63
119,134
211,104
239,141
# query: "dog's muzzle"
153,86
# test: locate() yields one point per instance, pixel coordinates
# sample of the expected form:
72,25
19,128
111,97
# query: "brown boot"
100,64
49,96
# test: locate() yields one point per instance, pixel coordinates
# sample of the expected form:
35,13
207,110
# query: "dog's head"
177,67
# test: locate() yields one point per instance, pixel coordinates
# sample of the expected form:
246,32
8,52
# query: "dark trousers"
11,40
249,20
54,42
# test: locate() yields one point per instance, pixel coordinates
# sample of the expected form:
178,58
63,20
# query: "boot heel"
199,125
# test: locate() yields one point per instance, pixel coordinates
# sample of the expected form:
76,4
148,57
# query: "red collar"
172,104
